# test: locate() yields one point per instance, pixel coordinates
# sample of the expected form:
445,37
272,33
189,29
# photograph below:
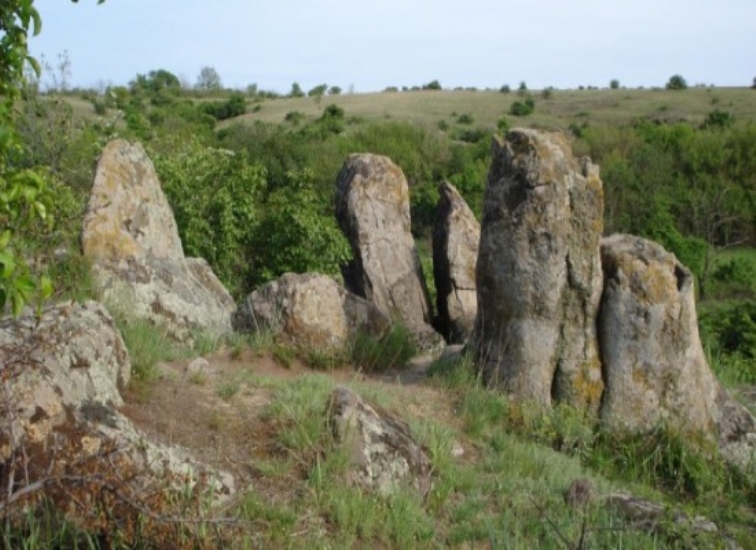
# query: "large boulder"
63,373
382,452
373,211
310,310
456,235
655,367
539,273
138,262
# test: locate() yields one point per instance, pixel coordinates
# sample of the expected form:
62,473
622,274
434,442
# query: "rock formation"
654,364
131,238
373,211
380,447
65,371
311,310
456,235
539,272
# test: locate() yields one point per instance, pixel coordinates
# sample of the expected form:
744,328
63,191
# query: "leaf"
5,237
17,304
41,210
9,264
25,285
46,287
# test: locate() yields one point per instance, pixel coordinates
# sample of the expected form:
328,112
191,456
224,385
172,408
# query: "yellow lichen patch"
587,384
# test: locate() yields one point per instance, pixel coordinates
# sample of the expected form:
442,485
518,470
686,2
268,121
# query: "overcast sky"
372,44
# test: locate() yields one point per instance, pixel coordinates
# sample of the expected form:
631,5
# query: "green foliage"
334,90
505,89
296,90
732,330
393,351
235,105
523,108
432,85
718,119
676,82
465,118
614,84
155,82
296,232
318,91
208,80
214,195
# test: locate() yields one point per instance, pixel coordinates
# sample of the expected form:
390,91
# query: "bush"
614,84
522,108
433,85
676,82
465,118
718,120
390,352
236,105
505,89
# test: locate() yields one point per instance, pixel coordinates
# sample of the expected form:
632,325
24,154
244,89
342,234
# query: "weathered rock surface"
60,397
373,211
131,238
456,235
539,274
654,364
383,454
736,431
311,310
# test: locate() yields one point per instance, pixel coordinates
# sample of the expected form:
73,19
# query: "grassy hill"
562,108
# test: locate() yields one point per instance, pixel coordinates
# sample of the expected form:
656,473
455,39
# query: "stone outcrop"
539,272
62,374
373,211
310,310
138,262
654,364
382,452
456,235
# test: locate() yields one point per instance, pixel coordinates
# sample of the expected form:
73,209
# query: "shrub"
522,108
547,93
390,352
503,125
614,84
465,118
295,117
676,82
432,85
334,90
505,89
235,105
718,120
318,91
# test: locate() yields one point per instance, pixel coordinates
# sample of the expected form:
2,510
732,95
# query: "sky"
368,45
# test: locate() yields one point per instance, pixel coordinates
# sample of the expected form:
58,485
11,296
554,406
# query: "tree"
296,90
753,86
156,82
24,193
335,90
208,80
614,84
676,82
318,91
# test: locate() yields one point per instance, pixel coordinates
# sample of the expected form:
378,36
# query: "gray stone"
539,273
373,211
382,452
456,235
60,397
138,262
311,310
655,368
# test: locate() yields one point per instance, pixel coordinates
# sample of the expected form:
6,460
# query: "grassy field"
603,107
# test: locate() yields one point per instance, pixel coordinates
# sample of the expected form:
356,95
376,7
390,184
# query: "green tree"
296,90
318,91
25,197
676,82
208,80
614,84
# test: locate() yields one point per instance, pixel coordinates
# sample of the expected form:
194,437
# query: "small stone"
200,365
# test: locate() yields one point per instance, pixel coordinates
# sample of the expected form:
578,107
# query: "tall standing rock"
539,272
654,364
456,235
130,235
373,211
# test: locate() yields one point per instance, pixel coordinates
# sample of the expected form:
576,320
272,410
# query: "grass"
393,351
606,107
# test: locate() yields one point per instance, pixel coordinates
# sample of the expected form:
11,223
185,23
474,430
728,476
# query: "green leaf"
46,287
5,237
25,285
9,264
17,304
41,210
